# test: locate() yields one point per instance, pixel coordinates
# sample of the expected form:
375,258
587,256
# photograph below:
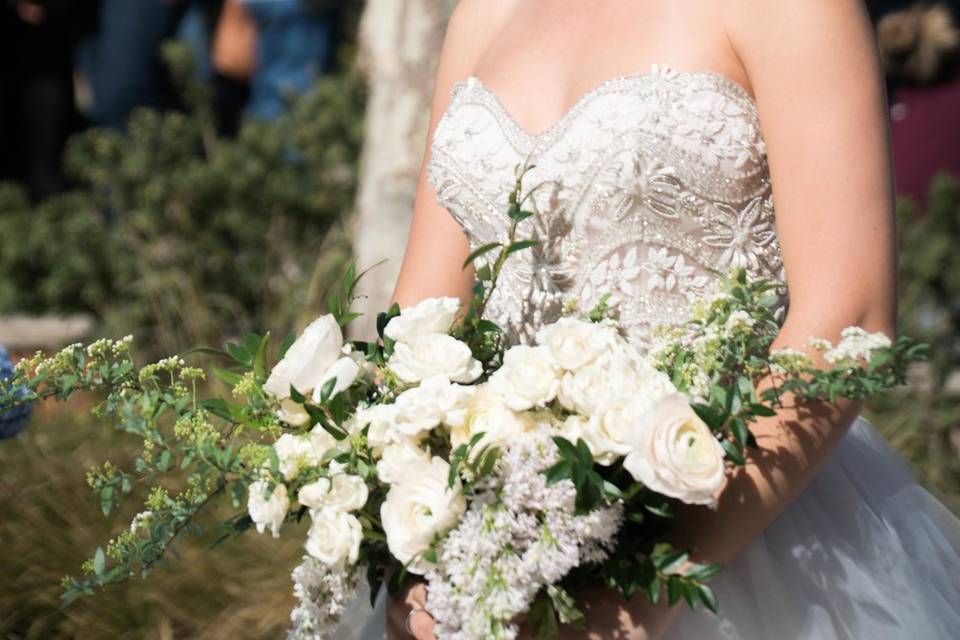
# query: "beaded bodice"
648,186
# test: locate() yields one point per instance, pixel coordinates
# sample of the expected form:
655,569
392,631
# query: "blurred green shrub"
180,235
923,421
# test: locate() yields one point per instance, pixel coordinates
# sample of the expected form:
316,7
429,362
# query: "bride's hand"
409,605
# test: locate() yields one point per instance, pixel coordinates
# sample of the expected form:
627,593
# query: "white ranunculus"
488,414
306,362
528,378
436,401
676,454
267,512
345,370
433,315
432,355
418,507
400,461
611,428
334,537
575,343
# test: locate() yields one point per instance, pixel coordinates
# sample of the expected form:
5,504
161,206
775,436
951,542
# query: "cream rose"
270,511
378,420
611,428
575,343
433,315
585,389
400,461
528,378
418,507
676,454
488,414
334,537
343,492
432,355
294,452
436,401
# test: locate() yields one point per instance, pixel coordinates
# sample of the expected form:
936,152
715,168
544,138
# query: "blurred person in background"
277,47
37,111
121,60
920,46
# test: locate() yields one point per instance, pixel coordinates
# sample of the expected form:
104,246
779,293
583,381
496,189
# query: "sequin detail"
643,189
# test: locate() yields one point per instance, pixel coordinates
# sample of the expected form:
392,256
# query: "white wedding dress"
648,185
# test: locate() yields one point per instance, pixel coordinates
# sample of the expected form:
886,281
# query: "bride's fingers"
422,624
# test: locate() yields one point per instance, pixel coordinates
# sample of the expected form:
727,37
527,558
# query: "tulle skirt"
864,553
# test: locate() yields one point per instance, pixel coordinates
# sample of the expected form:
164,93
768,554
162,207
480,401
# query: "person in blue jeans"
295,44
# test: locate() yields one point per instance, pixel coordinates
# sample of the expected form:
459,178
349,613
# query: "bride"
662,132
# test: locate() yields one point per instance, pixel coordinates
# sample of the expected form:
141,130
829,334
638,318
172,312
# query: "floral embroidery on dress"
645,189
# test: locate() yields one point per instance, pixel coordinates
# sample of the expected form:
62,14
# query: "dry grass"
49,525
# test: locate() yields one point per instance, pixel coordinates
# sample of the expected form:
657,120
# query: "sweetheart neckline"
656,71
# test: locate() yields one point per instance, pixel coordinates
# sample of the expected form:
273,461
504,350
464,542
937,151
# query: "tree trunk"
400,43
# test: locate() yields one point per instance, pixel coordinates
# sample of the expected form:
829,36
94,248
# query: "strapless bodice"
647,188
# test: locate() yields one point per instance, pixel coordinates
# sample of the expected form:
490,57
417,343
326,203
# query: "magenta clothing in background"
926,136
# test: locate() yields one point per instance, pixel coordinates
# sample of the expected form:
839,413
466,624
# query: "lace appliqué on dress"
647,187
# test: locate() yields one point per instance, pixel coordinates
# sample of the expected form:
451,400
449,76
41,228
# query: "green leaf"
703,572
734,452
238,353
674,590
99,561
327,390
260,356
164,463
106,499
543,618
286,344
521,245
480,251
707,597
430,555
229,377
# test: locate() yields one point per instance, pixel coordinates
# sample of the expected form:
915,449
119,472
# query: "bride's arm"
437,246
814,71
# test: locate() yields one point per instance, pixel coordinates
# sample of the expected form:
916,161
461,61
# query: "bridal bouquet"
503,474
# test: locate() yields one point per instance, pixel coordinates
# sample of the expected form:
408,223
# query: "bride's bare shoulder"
472,27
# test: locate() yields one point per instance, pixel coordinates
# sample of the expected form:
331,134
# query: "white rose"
488,414
417,508
528,378
314,495
345,371
575,343
378,420
611,429
613,374
434,355
400,461
307,360
585,389
573,428
433,315
293,413
425,407
269,512
676,454
295,452
343,492
334,537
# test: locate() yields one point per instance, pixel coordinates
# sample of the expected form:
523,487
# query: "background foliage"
181,236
